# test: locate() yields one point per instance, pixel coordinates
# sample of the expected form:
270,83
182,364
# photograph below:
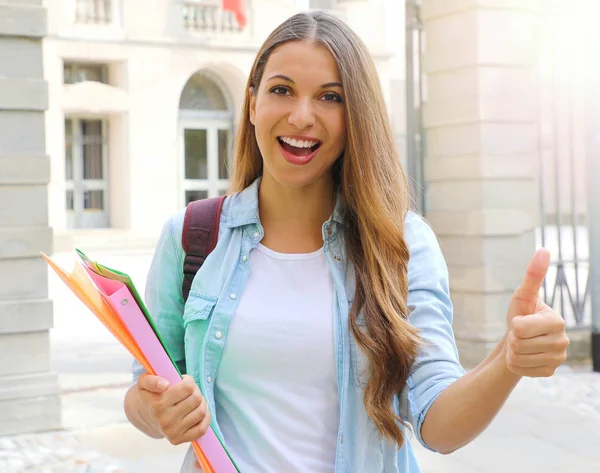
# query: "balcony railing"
93,11
207,16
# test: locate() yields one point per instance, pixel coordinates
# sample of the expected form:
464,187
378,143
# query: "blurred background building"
144,102
487,101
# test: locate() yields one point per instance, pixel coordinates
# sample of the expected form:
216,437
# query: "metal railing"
565,212
93,11
207,16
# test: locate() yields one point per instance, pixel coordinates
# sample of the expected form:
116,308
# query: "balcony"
96,12
207,16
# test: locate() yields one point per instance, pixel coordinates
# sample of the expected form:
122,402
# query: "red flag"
237,7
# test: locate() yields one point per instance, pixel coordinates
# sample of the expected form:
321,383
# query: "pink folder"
118,296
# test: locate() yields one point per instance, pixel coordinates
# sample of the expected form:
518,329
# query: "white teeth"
298,143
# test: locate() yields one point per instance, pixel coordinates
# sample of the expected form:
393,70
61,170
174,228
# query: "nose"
302,115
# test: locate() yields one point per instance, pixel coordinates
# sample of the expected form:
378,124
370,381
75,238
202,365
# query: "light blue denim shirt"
190,331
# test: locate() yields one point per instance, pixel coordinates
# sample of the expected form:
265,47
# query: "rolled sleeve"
163,296
437,365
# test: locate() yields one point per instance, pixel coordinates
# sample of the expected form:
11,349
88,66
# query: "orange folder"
82,286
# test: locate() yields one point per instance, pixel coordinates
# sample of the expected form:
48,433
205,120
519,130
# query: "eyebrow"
287,79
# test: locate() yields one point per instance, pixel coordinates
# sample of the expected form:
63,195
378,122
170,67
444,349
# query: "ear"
252,96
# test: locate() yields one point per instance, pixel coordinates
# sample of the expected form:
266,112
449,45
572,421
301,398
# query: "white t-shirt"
276,392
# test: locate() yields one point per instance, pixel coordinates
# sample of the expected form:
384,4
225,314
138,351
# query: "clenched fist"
180,410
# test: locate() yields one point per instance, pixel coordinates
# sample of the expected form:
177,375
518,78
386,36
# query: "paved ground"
548,425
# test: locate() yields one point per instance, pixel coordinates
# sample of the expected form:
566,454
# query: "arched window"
202,94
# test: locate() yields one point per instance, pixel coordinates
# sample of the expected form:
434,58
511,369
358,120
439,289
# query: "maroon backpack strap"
199,238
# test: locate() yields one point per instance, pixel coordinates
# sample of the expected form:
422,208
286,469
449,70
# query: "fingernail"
162,384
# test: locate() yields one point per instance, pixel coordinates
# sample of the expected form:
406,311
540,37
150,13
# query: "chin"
296,178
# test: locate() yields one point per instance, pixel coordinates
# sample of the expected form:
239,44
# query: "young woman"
319,329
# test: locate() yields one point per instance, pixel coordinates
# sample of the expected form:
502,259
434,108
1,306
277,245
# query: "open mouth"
298,147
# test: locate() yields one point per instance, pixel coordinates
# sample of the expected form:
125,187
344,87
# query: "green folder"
115,275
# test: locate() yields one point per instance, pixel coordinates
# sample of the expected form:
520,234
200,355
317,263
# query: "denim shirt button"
218,335
233,296
244,258
208,379
256,234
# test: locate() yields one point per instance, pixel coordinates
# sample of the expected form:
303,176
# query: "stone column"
480,169
29,398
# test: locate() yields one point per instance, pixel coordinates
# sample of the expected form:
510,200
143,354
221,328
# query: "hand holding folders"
114,300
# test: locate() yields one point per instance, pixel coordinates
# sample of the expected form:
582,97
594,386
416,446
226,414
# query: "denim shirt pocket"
196,319
361,371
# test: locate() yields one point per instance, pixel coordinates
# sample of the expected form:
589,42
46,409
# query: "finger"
180,391
526,295
153,384
538,360
198,430
536,325
552,342
183,413
194,417
171,416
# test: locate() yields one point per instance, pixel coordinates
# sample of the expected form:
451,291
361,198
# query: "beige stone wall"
28,391
481,121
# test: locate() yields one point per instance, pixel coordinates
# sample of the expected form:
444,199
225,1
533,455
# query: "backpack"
199,237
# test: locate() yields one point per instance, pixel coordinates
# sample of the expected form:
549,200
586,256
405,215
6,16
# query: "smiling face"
299,115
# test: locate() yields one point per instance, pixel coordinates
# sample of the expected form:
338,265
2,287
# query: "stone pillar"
480,169
29,396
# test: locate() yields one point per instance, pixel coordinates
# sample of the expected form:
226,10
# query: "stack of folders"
114,300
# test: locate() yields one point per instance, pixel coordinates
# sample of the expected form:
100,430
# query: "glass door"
206,147
86,173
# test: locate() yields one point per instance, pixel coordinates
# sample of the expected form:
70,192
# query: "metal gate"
563,163
564,217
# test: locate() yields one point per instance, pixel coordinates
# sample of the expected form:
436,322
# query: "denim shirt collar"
244,207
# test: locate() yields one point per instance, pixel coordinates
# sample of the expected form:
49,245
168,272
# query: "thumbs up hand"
536,341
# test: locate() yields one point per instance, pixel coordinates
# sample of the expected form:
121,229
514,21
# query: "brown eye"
279,90
332,97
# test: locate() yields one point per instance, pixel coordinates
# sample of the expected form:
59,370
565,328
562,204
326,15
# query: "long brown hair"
376,199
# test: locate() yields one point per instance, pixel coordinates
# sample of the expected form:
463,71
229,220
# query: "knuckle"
197,397
188,380
518,328
560,323
188,388
197,394
514,344
199,413
559,345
